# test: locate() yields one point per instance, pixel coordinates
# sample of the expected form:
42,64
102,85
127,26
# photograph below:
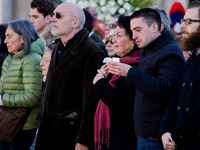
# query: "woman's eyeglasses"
109,39
111,26
45,60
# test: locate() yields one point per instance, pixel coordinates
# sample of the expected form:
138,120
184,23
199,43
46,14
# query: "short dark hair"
194,4
124,22
150,16
45,7
88,20
163,16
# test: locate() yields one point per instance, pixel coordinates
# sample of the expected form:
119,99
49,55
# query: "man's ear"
154,27
48,19
162,27
76,23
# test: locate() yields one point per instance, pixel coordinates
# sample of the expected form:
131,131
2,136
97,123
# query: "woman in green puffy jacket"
21,80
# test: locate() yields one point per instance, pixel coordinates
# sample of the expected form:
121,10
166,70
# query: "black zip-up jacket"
156,79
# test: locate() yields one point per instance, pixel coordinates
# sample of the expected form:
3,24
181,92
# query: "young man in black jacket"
160,64
181,125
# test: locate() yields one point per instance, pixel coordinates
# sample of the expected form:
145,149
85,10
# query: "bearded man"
180,128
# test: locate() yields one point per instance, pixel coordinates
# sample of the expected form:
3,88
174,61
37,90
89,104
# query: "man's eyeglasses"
111,26
188,21
58,15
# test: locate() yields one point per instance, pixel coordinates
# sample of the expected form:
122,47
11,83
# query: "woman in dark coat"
3,48
114,128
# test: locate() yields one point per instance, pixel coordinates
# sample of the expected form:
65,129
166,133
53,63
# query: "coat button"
187,109
178,108
183,84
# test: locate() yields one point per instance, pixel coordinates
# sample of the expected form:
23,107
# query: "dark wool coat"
182,118
156,79
120,102
69,89
99,42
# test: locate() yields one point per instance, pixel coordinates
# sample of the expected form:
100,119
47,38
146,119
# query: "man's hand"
118,68
168,142
81,147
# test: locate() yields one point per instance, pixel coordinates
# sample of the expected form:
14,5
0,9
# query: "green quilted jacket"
21,81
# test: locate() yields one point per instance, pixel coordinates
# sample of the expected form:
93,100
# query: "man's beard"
192,42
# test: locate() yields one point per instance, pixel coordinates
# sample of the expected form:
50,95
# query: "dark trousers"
193,144
148,143
22,141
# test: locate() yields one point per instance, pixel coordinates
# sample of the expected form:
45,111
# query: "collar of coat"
73,48
159,42
70,41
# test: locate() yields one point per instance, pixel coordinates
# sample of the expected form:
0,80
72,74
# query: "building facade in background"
14,9
19,9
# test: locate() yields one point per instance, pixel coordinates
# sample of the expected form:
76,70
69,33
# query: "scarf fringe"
104,137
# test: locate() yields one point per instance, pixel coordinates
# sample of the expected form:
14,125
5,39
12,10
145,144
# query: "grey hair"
26,29
81,16
50,47
164,17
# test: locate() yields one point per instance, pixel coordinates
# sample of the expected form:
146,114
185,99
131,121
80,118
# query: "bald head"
68,19
75,10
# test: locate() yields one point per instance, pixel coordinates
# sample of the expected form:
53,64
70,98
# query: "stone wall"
14,9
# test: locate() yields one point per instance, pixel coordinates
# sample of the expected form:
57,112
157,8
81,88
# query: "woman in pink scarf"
113,123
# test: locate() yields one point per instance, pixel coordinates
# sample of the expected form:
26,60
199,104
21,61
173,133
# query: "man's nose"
134,36
53,18
182,26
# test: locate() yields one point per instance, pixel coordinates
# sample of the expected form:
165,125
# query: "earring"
131,46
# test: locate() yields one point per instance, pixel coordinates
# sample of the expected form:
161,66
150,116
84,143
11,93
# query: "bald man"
67,113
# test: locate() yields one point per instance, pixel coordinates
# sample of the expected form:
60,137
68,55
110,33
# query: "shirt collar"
197,51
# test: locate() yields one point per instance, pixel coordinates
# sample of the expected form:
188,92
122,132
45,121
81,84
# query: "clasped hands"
111,67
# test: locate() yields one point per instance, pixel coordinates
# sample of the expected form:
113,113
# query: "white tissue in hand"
107,59
115,59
